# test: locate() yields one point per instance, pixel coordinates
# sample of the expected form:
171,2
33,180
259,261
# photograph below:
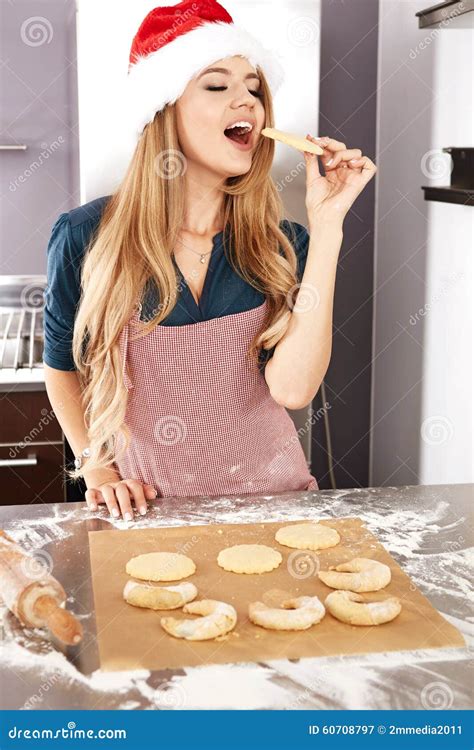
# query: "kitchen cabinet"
31,449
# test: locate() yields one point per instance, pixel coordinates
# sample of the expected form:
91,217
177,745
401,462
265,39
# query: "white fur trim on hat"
161,77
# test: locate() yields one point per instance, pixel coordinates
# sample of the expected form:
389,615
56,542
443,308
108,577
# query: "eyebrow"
224,70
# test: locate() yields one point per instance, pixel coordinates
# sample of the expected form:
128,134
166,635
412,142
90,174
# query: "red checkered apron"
201,416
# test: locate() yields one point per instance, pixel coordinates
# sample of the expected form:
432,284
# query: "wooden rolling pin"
37,603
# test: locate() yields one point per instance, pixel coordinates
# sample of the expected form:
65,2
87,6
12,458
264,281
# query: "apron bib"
201,416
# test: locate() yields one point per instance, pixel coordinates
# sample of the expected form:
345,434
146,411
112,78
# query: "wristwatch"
78,460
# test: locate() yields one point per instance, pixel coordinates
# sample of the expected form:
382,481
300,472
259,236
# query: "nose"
244,97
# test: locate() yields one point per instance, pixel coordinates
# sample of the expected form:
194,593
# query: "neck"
204,202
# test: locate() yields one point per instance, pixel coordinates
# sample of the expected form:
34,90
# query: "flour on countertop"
359,681
203,686
33,533
54,663
228,686
354,682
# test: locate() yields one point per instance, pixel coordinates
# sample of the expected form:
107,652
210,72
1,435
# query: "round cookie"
160,566
249,558
310,535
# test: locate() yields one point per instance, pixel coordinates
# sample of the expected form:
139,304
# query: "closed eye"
258,94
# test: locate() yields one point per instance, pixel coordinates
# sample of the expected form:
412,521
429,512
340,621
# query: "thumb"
150,491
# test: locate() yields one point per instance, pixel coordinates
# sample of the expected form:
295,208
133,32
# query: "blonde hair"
134,240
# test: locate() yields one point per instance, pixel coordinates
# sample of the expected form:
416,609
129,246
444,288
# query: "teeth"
241,124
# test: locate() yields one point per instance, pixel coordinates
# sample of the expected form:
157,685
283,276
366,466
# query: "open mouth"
239,134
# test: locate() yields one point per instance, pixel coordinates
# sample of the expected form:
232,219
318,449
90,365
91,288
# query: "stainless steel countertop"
428,530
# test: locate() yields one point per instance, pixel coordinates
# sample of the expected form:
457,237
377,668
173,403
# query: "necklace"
202,258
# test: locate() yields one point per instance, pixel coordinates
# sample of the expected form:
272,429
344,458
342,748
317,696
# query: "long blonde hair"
134,240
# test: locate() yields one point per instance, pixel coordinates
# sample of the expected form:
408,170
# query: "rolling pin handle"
58,620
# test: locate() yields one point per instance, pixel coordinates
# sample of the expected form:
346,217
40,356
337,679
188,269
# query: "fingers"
325,142
150,492
108,493
118,497
139,493
352,159
125,491
312,167
335,152
330,143
331,161
367,166
92,500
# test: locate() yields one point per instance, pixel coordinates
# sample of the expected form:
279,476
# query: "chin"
236,173
242,166
226,167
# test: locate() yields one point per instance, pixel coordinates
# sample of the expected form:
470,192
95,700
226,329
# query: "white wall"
422,379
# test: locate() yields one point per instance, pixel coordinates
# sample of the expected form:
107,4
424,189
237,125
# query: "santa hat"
173,44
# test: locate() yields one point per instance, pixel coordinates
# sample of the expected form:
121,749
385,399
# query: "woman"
201,314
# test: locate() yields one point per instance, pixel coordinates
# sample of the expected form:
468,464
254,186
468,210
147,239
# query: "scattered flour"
33,533
41,668
228,686
351,683
405,531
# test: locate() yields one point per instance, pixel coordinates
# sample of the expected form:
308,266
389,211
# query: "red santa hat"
173,44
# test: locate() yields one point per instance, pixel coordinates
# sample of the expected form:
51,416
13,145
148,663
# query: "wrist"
326,238
96,477
325,221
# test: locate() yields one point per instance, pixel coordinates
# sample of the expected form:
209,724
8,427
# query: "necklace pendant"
203,258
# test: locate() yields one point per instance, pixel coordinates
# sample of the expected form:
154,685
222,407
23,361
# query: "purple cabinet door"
39,144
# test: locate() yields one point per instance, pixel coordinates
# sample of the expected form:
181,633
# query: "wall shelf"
444,13
448,194
461,189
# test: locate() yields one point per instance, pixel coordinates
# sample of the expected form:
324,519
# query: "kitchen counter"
428,530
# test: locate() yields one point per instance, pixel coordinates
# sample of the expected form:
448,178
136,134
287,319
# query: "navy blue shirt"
224,291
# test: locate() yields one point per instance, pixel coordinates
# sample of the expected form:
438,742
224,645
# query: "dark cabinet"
31,450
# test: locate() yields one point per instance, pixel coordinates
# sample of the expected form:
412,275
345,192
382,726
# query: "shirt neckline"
197,308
